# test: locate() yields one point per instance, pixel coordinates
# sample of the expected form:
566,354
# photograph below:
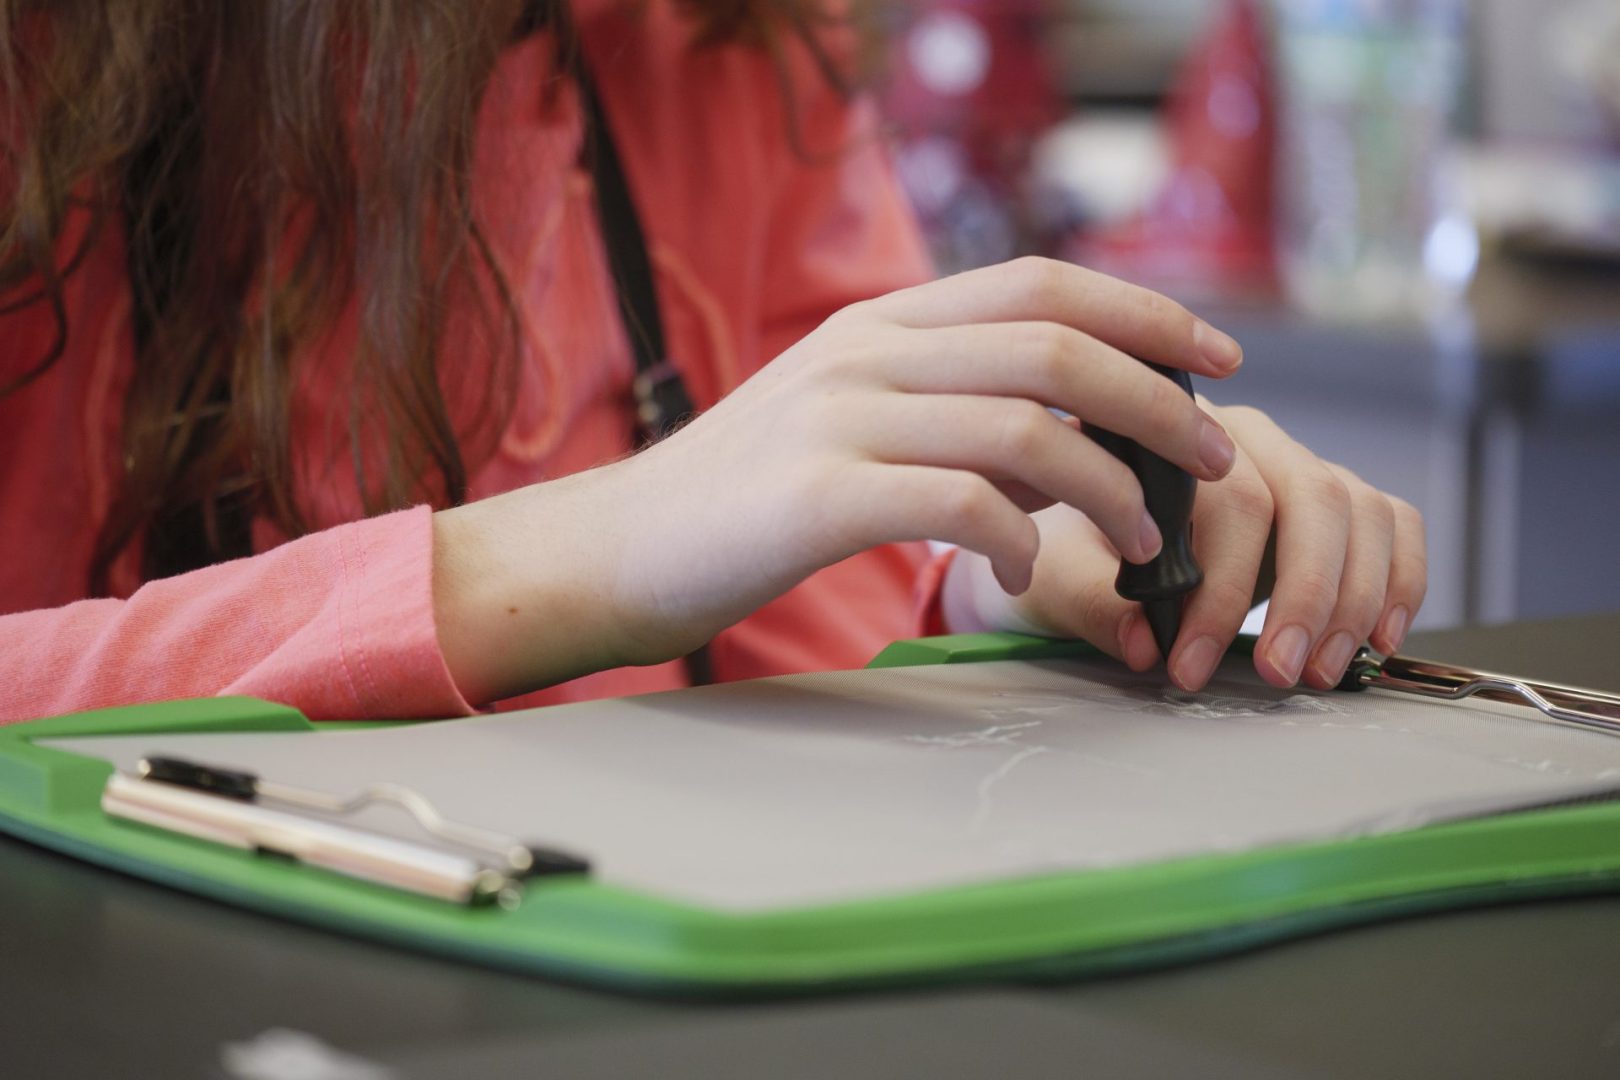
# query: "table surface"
103,975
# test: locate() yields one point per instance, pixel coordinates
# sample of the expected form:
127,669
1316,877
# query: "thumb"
1071,594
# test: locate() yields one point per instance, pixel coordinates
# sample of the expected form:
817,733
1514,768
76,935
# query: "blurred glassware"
1585,40
1371,226
1548,203
1206,230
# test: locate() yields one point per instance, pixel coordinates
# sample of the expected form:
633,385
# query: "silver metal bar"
509,854
345,850
1448,682
503,854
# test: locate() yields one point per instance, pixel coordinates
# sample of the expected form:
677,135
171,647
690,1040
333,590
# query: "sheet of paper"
816,788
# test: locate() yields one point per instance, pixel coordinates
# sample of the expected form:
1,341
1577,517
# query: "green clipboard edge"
1056,926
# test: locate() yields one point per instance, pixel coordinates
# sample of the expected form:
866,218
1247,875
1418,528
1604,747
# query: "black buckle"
661,399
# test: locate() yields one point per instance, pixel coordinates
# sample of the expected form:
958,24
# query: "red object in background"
1211,226
974,70
970,91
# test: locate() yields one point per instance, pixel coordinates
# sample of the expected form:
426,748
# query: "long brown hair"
270,161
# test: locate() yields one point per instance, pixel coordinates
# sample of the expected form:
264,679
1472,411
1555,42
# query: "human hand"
1349,567
924,414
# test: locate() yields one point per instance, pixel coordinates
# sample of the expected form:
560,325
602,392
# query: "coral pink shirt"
752,244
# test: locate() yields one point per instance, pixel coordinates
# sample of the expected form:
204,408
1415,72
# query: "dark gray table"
102,975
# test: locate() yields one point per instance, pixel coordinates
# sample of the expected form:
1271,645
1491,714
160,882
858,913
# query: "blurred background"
1407,210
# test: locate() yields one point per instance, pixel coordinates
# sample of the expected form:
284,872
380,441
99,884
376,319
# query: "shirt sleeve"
842,232
338,624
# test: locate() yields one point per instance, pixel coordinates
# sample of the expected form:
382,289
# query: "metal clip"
1448,682
244,810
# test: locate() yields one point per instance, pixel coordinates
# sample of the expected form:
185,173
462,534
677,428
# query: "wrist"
521,591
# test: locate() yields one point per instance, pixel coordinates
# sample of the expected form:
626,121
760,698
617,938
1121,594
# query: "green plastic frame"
1055,926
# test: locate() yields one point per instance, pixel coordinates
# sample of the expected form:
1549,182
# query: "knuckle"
1380,511
1163,402
1411,573
1035,266
1251,499
1323,492
1023,424
1406,514
1045,279
1227,597
1315,591
1364,622
1048,351
1028,265
1161,411
1371,505
831,364
857,313
1175,318
966,499
1114,494
1243,416
1348,475
1360,615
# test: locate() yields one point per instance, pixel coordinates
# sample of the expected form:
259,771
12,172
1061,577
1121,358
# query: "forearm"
338,624
523,587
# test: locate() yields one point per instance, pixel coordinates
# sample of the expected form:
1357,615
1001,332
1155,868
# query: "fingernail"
1147,535
1333,657
1287,653
1394,629
1221,350
1195,663
1215,449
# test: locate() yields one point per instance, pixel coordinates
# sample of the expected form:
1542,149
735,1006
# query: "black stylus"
1162,584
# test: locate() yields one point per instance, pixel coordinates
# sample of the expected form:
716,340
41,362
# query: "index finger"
1146,324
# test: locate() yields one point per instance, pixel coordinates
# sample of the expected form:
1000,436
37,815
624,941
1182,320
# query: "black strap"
661,398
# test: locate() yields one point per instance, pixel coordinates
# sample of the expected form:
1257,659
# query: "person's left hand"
1350,567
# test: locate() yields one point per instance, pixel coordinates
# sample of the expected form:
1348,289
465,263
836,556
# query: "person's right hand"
923,414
